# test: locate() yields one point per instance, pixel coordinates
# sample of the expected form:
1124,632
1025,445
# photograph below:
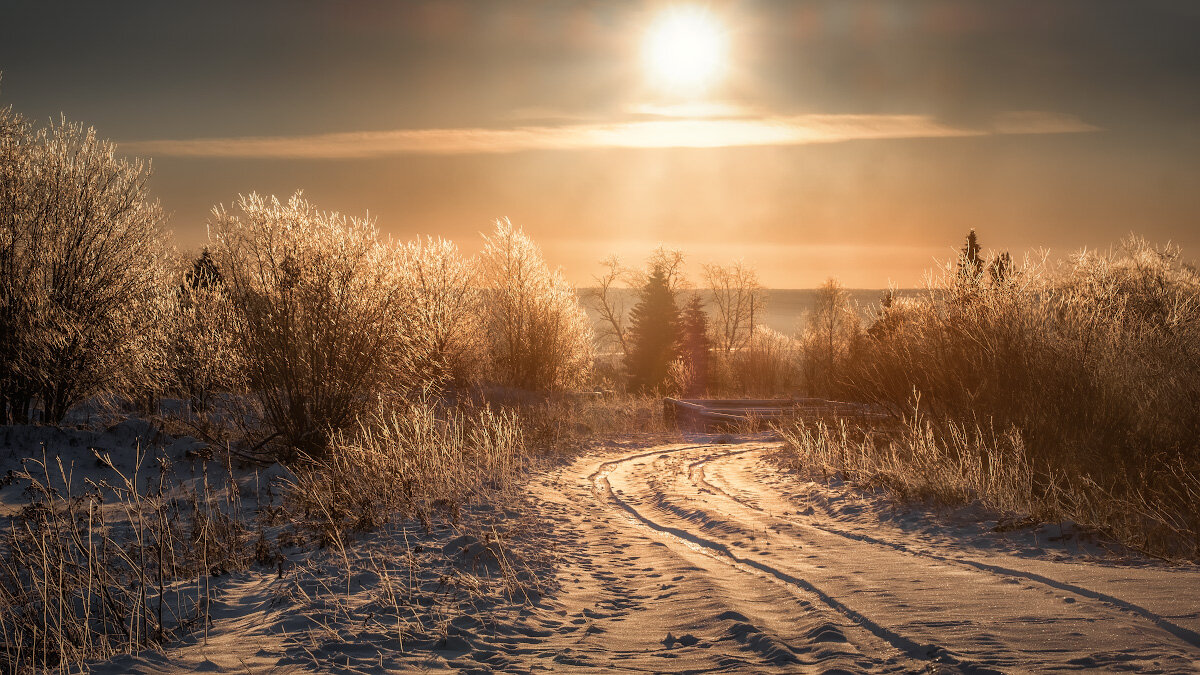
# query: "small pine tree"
653,333
204,272
1000,268
970,264
204,276
884,321
696,344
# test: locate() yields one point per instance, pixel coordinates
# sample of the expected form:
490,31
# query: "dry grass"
416,462
127,566
117,568
950,465
1093,368
426,461
565,424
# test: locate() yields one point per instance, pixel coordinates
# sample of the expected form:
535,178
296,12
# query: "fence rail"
736,414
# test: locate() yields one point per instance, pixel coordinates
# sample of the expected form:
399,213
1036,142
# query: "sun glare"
685,50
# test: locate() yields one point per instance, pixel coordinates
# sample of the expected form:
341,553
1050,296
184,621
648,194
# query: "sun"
685,50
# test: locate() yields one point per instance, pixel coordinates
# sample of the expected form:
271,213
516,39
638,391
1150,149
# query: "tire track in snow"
722,552
1185,635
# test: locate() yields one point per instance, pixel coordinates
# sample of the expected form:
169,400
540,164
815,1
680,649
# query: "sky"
854,139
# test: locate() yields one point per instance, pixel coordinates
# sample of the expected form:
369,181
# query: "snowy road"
711,546
698,557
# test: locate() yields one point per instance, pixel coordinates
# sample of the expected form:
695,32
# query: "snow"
697,556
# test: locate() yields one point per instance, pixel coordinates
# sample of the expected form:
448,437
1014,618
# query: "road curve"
698,557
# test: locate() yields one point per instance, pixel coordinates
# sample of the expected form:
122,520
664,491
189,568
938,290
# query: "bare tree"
670,261
540,337
737,298
832,329
608,305
81,281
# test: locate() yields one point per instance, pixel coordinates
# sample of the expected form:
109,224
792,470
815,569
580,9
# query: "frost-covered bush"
318,314
1095,363
203,355
441,318
830,336
82,292
1097,358
539,337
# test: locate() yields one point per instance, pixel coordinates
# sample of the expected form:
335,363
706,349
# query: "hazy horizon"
784,309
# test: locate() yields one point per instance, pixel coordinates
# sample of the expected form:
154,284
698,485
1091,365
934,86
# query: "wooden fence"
753,414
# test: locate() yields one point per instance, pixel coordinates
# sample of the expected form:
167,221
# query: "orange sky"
852,139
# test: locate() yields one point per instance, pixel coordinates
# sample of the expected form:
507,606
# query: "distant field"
786,308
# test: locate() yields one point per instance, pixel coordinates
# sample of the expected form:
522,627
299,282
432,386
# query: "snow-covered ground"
861,585
693,556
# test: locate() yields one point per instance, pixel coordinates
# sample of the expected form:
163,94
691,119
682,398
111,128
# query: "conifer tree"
653,333
204,272
696,344
1001,268
970,264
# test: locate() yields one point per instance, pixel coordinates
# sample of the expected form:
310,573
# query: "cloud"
1039,122
668,133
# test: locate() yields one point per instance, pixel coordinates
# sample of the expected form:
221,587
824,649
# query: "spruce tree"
203,276
653,333
1000,268
204,272
696,344
970,264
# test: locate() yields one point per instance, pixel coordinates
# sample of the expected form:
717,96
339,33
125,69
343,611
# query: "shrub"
539,337
1096,359
769,365
1096,364
318,313
81,284
201,350
441,324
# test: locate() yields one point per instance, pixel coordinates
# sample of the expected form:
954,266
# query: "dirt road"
702,557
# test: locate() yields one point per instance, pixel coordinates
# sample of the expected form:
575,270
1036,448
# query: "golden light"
685,50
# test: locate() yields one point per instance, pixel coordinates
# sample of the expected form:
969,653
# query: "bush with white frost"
318,314
539,337
202,353
441,318
81,282
1095,366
